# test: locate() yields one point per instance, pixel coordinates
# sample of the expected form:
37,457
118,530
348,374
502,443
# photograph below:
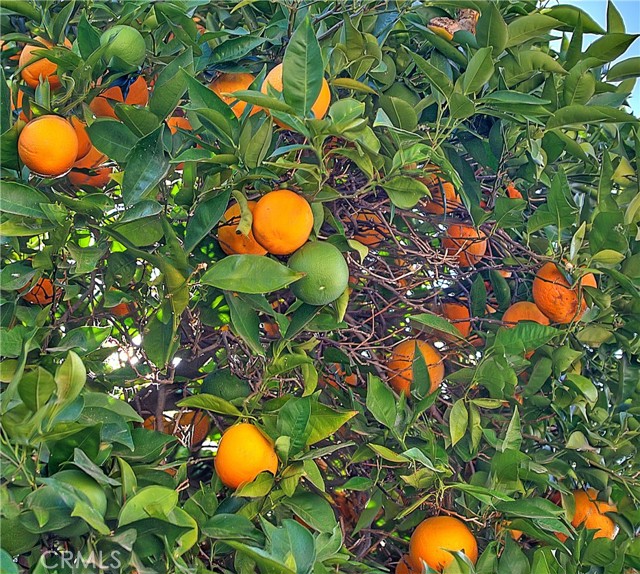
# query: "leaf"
36,386
380,402
438,323
150,502
234,49
206,216
388,454
112,138
436,77
160,341
70,378
224,526
580,114
141,121
313,510
528,27
491,29
245,322
351,84
532,507
210,403
84,339
266,563
624,70
145,208
513,437
461,106
478,72
571,15
146,165
404,191
458,421
302,72
20,199
615,21
525,336
402,114
325,421
252,274
610,47
294,421
583,385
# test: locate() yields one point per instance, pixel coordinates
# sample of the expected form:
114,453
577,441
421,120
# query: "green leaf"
70,378
249,274
528,27
112,138
513,437
245,321
458,421
146,165
267,563
580,114
171,84
404,191
234,49
624,70
610,47
387,453
435,76
302,72
294,421
224,526
461,106
325,421
380,402
478,72
615,21
160,341
20,199
436,322
210,403
7,565
583,385
36,386
206,216
84,339
402,114
491,29
141,121
525,336
531,507
145,208
571,15
150,502
313,510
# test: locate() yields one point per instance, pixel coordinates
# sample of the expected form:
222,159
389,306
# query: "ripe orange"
512,192
84,143
229,83
175,122
404,566
243,453
459,314
434,539
401,365
189,426
319,107
282,221
558,300
102,105
444,198
370,229
48,146
523,311
469,243
236,243
98,176
44,68
590,512
42,293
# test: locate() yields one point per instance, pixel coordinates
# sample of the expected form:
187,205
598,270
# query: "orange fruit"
18,105
459,314
338,374
434,539
404,566
523,311
319,107
229,83
444,198
282,221
48,146
193,426
237,243
98,175
467,242
84,143
515,534
512,192
44,68
175,122
559,301
243,453
138,95
370,229
400,365
590,513
42,293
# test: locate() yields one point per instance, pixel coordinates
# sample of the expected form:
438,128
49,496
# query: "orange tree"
308,219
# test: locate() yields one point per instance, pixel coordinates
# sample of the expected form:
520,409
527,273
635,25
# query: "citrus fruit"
122,309
175,122
319,107
444,198
337,373
42,293
137,94
90,171
404,565
459,314
81,481
326,273
48,146
523,311
400,365
282,221
232,242
435,538
84,143
42,68
556,298
512,192
467,242
243,453
229,83
590,513
370,229
125,48
222,383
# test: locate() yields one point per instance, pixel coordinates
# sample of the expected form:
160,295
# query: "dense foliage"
131,340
